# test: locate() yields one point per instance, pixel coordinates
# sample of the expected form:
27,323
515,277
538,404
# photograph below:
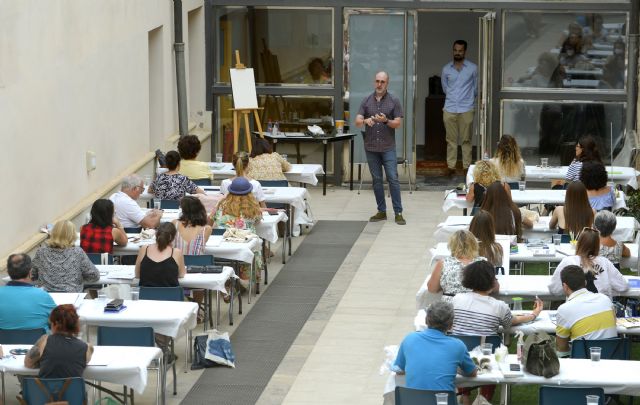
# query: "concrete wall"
74,77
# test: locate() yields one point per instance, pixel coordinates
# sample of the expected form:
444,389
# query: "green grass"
528,394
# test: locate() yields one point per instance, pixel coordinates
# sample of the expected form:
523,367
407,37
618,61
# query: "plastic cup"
595,353
102,296
486,348
522,185
135,293
593,399
556,239
544,162
156,205
147,180
339,126
218,157
517,303
284,156
442,398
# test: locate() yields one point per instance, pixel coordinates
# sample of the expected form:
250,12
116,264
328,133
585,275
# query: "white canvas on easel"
244,89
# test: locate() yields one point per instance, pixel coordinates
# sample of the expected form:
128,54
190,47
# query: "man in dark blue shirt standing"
381,113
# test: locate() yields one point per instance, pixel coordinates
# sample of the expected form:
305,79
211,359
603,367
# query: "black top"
478,194
63,356
158,274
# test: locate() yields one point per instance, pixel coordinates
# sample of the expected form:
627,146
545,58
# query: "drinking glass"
218,157
593,399
135,293
156,204
284,156
517,303
556,239
102,296
147,180
442,398
544,162
522,185
486,348
595,353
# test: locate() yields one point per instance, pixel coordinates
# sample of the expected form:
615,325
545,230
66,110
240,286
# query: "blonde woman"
509,161
241,164
59,265
485,173
447,273
240,210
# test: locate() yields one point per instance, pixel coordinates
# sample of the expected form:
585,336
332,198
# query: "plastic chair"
472,341
54,389
198,260
169,204
96,258
411,396
218,231
554,395
612,349
202,182
20,336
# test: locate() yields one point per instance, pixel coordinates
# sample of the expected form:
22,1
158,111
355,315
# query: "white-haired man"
127,209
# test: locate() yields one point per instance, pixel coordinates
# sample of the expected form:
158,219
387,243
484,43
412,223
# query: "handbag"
199,350
539,356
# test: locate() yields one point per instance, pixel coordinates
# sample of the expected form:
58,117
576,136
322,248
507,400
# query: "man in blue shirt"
460,84
22,305
430,358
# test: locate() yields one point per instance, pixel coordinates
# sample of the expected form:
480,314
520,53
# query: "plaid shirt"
380,137
94,239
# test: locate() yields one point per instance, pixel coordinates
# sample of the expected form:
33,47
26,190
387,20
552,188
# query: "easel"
245,117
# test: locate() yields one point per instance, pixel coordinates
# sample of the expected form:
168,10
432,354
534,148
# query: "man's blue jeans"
376,161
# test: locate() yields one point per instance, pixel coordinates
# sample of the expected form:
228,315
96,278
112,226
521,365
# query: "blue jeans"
376,161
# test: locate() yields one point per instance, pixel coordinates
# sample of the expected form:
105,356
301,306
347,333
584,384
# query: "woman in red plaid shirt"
102,230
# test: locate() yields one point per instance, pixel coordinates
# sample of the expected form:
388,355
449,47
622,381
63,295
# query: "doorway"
437,30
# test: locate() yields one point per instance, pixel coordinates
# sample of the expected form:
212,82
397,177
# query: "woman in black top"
160,265
61,354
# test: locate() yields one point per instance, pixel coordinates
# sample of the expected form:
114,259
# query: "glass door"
378,40
485,27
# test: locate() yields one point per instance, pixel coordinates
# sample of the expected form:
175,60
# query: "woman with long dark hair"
483,228
576,212
160,264
192,229
586,151
506,215
103,229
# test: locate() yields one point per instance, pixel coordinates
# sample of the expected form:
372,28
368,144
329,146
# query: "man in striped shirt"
584,315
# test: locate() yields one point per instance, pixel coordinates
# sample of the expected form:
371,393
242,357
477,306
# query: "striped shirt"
574,171
586,315
479,315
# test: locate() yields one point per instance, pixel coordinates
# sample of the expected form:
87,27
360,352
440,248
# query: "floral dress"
451,277
226,221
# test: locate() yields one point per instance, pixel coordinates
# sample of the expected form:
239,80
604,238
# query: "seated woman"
606,222
103,229
602,276
172,185
240,210
509,161
483,228
189,146
265,164
192,229
586,151
61,354
594,178
241,164
576,212
61,266
160,264
506,216
485,173
479,314
447,273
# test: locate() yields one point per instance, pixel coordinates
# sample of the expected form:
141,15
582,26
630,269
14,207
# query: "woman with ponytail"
241,164
601,274
160,264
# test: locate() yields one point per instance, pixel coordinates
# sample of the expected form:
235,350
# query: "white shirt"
609,281
257,189
127,210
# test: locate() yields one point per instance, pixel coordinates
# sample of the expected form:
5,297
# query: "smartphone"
514,367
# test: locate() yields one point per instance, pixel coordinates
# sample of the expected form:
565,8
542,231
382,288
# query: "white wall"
74,77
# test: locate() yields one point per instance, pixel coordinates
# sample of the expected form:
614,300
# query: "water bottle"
275,128
269,127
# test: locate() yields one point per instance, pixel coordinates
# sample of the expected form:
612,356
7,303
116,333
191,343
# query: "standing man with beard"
381,113
460,84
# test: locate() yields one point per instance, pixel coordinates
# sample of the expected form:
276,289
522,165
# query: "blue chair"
169,204
96,258
20,336
275,183
40,391
472,341
165,294
198,260
554,395
410,396
612,349
135,229
218,231
565,238
202,182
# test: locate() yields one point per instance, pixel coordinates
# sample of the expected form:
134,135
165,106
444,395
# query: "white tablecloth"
520,198
116,274
614,376
625,229
516,286
127,365
169,318
299,173
618,174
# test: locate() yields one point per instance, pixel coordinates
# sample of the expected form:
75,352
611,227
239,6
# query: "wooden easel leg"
258,124
247,131
236,131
